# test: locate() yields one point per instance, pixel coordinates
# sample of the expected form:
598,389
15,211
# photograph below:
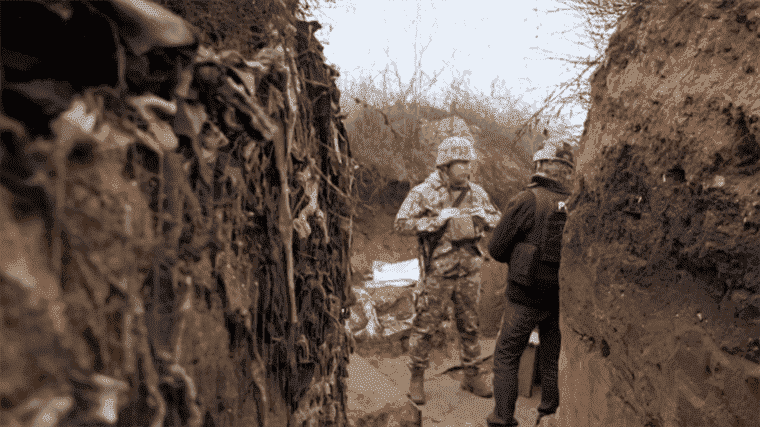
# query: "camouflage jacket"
419,214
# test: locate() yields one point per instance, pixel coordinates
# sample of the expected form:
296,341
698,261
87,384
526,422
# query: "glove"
447,213
478,212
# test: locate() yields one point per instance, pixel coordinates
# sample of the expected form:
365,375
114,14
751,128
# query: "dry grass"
387,145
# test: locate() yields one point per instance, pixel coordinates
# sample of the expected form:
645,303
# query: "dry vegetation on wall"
599,19
175,226
242,25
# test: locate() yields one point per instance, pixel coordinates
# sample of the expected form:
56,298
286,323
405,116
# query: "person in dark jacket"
528,237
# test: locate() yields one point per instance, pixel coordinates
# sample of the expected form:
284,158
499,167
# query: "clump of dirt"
659,279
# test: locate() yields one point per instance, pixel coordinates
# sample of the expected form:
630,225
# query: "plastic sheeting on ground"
385,306
383,271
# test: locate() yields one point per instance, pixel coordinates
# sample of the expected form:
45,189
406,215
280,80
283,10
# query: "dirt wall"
175,223
659,278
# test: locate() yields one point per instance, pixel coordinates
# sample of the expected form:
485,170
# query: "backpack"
544,242
552,224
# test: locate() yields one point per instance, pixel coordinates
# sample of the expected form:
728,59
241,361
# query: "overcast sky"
484,40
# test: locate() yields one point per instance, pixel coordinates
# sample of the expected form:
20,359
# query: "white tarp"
385,306
404,270
382,311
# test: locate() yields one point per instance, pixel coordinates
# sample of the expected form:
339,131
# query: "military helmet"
455,148
552,152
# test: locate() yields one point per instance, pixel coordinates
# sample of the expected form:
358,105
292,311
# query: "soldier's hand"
478,212
449,213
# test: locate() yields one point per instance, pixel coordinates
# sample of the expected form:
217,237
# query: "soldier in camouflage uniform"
449,214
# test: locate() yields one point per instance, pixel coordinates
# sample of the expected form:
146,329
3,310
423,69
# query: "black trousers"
519,322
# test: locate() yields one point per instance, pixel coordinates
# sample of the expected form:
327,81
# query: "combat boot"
417,386
474,383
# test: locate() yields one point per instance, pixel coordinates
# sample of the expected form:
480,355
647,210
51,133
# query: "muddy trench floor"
447,404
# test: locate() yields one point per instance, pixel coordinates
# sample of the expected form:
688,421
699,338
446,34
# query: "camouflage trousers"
454,277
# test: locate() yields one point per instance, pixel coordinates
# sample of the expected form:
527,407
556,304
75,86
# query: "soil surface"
660,267
447,404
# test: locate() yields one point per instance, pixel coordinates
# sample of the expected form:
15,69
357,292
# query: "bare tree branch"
600,17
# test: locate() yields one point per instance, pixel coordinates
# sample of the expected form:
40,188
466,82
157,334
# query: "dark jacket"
518,224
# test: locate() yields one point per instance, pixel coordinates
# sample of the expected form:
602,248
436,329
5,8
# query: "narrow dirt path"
447,404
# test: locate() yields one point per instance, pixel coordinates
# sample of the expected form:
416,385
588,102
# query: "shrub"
389,144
